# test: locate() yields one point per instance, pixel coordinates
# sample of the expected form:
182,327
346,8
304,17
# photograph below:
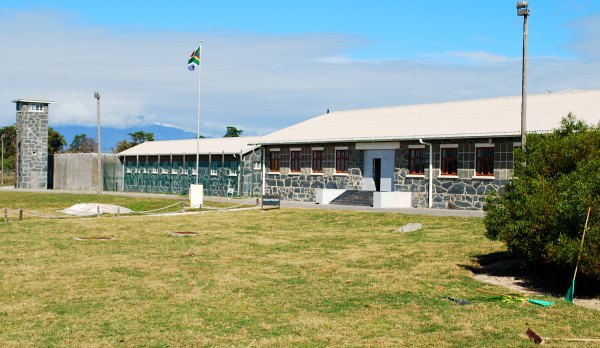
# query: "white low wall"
324,196
391,199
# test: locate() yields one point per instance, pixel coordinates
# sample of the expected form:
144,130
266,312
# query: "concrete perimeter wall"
79,172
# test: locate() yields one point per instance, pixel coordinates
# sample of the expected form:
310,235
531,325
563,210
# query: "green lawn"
49,203
275,278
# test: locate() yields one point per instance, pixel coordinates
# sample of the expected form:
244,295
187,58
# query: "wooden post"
20,214
6,215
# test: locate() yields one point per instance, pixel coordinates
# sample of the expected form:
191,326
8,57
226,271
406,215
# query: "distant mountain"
110,136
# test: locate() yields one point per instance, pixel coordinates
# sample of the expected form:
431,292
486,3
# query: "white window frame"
447,146
408,174
299,172
480,145
276,149
312,150
335,172
35,107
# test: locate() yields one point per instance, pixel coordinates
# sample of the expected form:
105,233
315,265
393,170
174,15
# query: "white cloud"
254,82
339,59
471,58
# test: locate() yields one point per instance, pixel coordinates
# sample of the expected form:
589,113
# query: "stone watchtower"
32,144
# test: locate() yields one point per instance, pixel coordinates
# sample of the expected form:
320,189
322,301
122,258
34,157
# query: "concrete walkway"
284,204
412,211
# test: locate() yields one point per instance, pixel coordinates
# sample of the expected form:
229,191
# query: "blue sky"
268,64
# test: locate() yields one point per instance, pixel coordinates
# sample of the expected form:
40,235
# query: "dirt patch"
95,238
512,273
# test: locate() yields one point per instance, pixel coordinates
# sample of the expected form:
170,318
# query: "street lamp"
523,11
97,96
2,139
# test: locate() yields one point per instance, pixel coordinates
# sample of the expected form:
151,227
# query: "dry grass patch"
276,278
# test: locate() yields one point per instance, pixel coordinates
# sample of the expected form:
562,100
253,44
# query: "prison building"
226,166
446,155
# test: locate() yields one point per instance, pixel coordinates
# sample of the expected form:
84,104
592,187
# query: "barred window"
484,161
416,161
274,164
449,161
341,161
317,161
295,161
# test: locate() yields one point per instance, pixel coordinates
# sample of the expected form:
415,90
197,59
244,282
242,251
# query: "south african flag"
194,59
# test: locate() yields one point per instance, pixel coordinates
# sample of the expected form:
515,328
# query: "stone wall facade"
464,190
461,191
32,148
301,186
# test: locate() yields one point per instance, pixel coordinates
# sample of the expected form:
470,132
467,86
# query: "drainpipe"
430,193
263,155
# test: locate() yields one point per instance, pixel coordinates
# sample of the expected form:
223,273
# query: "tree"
10,136
136,139
541,213
232,132
81,143
56,142
121,146
140,137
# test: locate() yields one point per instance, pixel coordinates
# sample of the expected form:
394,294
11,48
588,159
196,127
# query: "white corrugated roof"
39,101
473,118
233,145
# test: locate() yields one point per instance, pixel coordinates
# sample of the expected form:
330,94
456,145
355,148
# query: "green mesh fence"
217,178
112,173
251,177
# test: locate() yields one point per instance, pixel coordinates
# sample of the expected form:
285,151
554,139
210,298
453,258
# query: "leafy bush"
541,214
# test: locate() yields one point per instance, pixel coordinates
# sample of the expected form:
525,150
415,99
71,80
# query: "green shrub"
541,214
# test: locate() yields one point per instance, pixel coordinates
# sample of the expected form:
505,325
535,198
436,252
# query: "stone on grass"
412,227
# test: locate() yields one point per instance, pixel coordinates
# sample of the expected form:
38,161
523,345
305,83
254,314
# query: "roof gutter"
430,193
372,140
231,152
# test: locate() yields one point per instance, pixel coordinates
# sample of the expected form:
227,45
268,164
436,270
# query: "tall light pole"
97,96
523,11
2,138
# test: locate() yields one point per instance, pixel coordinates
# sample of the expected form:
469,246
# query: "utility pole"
523,11
2,138
97,96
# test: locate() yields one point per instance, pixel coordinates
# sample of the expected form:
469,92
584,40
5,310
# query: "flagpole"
198,125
